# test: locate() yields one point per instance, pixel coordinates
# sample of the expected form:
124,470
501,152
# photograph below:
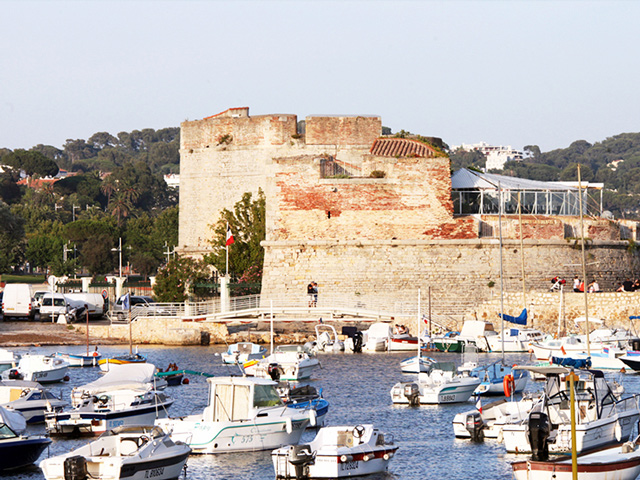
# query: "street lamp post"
119,250
74,211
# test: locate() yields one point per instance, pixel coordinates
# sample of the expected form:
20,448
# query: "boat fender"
508,383
387,456
75,468
289,425
313,417
346,458
367,457
617,430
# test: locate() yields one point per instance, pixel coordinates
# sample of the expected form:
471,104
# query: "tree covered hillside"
615,162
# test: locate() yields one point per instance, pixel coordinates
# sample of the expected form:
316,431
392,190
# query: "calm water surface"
357,387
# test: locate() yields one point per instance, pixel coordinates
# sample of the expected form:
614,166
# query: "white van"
94,301
55,304
16,301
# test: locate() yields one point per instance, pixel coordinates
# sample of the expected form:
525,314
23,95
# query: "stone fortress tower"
368,217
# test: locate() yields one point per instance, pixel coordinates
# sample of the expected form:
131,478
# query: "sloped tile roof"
400,147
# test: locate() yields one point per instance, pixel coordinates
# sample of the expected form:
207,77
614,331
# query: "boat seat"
128,446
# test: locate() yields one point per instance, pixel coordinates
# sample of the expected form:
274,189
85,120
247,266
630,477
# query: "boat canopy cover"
14,420
519,320
572,362
122,376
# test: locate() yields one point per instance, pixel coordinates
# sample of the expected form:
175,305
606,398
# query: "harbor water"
357,387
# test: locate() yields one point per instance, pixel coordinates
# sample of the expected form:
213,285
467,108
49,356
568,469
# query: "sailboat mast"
524,293
501,272
418,330
584,264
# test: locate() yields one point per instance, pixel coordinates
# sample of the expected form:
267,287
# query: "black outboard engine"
274,372
539,431
475,425
357,342
412,392
301,456
75,468
15,375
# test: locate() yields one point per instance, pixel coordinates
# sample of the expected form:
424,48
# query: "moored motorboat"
16,450
283,365
602,417
417,364
337,452
243,352
515,339
618,462
38,368
124,396
305,397
499,379
29,398
243,414
327,339
131,452
8,359
442,384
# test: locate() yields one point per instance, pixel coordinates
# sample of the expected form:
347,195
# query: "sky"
515,73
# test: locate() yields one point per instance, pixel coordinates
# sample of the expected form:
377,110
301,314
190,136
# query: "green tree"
32,162
11,238
247,223
178,279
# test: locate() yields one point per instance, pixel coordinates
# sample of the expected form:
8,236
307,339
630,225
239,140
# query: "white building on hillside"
497,156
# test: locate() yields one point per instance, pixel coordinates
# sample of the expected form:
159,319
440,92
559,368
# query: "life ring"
508,383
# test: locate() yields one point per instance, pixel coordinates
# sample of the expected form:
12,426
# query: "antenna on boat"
501,272
584,264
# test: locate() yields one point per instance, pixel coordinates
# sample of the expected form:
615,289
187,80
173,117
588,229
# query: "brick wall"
342,130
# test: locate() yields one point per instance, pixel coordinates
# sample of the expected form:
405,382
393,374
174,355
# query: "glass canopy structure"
490,194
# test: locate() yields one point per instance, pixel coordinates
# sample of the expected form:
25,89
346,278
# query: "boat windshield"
6,432
266,396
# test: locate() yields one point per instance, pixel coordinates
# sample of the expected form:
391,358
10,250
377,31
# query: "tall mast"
501,272
584,264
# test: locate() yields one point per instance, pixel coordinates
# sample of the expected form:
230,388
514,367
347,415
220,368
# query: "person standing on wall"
310,294
576,284
315,294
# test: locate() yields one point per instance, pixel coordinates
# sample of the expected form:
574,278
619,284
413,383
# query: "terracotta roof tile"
400,147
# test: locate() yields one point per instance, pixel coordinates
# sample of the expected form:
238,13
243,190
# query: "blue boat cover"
520,319
572,362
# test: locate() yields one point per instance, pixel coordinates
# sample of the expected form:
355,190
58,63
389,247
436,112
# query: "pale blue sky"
511,73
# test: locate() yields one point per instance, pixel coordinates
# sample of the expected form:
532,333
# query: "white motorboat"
474,333
8,359
283,365
17,450
29,398
76,360
327,339
243,414
337,452
617,462
243,352
376,337
131,452
38,368
551,347
417,364
488,420
499,379
515,339
442,384
602,418
124,396
609,358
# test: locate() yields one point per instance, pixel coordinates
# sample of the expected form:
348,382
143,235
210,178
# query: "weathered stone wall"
548,309
461,273
342,130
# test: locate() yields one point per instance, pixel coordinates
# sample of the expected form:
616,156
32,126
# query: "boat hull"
448,393
20,452
332,466
224,437
80,360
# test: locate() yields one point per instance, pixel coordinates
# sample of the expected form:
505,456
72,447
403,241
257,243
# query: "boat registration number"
349,466
154,472
447,398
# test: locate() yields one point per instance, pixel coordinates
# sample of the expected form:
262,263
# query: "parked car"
94,302
17,301
37,299
140,305
55,304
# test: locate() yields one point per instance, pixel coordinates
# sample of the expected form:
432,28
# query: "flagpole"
227,249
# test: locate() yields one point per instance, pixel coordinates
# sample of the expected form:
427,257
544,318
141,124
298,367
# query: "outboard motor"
15,375
301,456
75,468
412,392
475,425
539,431
274,372
357,342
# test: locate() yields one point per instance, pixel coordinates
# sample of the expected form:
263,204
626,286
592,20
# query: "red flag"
564,352
479,405
230,239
